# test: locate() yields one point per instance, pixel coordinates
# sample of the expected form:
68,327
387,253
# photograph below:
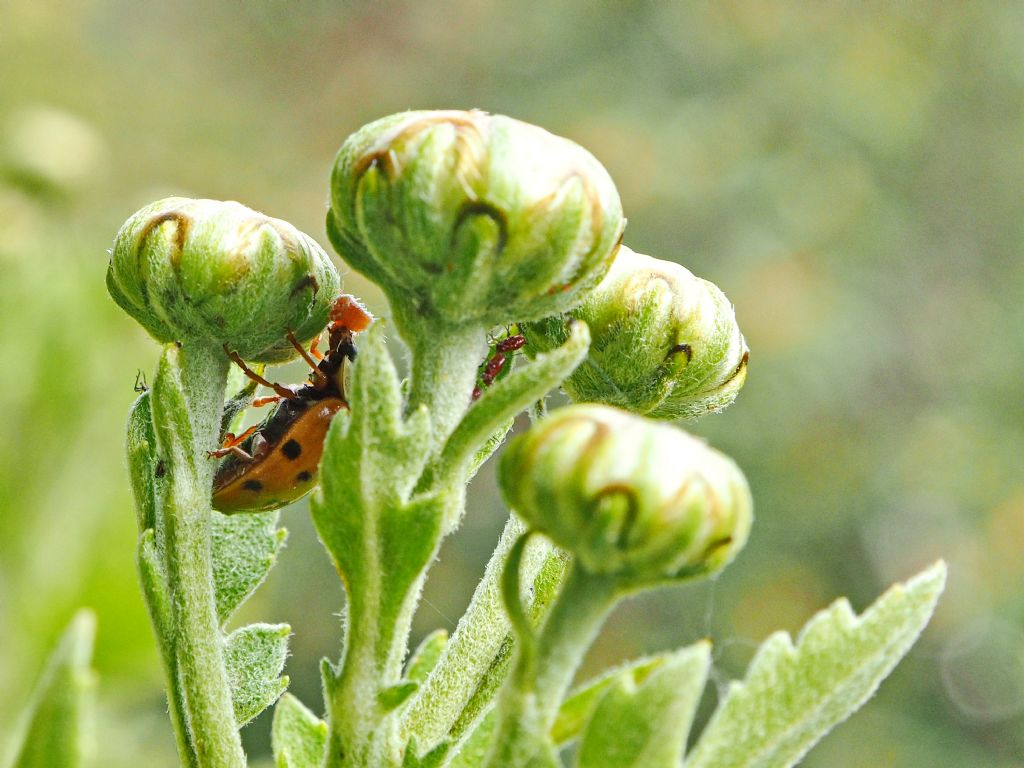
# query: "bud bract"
628,496
665,343
469,218
219,273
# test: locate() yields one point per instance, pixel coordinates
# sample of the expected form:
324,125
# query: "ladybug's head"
348,317
348,313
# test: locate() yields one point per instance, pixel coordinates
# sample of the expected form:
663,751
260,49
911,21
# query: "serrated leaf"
372,458
244,548
792,696
577,708
425,657
58,730
298,736
645,724
254,657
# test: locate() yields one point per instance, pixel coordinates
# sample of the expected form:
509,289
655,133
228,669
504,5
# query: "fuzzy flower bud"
628,496
219,273
472,219
665,343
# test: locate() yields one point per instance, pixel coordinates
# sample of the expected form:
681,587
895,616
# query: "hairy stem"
469,653
444,367
544,669
160,617
188,397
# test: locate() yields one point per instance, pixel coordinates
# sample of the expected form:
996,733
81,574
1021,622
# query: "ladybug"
492,367
275,462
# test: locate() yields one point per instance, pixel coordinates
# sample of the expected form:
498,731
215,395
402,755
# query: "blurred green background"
848,173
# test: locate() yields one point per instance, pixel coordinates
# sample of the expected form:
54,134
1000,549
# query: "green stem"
160,617
363,729
529,702
445,360
470,652
188,400
142,464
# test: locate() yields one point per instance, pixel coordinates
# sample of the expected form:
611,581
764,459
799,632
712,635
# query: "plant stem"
445,360
469,653
529,702
188,400
160,616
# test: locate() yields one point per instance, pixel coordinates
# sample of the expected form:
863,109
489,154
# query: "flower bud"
471,218
665,343
626,495
219,273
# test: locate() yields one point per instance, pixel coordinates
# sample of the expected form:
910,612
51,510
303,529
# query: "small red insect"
276,462
495,364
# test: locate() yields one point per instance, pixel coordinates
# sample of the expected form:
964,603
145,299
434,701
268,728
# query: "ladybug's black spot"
253,485
303,477
292,449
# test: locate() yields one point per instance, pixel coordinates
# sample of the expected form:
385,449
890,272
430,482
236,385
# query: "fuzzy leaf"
433,759
425,657
792,696
154,584
394,696
299,737
485,451
244,549
578,707
476,660
379,534
363,511
59,727
645,724
141,448
254,657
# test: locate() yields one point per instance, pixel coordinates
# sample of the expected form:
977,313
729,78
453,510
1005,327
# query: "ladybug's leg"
321,379
259,402
314,349
232,443
235,450
281,391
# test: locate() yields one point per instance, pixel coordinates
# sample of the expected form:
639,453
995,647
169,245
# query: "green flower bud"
626,495
472,219
665,343
219,273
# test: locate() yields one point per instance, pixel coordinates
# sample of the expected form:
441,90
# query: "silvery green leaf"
254,657
299,737
244,549
794,695
643,718
141,450
425,657
58,730
578,707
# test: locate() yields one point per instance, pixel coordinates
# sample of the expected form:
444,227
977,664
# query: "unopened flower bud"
626,495
218,273
665,343
472,219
